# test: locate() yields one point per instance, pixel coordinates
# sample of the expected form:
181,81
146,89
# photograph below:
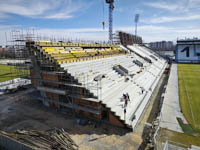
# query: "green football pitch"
9,72
189,93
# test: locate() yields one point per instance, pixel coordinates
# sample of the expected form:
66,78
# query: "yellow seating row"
56,51
53,50
81,55
76,52
92,53
73,54
104,51
61,61
78,59
63,57
68,44
66,60
73,49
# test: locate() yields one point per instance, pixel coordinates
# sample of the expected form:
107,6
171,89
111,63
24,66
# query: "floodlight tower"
136,21
111,8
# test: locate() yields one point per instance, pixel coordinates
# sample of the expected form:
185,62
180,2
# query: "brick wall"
55,97
114,120
33,76
51,77
87,103
88,114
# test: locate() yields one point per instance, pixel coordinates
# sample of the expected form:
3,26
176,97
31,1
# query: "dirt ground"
18,112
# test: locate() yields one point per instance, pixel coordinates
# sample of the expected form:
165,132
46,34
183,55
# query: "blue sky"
81,19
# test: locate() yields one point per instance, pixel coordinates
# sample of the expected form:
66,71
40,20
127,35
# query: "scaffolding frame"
62,81
17,41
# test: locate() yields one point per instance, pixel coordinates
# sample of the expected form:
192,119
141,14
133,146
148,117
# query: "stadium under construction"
60,93
95,80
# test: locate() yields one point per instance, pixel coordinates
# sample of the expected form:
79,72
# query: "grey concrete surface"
171,107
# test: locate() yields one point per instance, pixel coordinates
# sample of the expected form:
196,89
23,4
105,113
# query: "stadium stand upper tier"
105,72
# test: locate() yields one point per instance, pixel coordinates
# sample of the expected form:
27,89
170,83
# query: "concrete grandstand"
92,78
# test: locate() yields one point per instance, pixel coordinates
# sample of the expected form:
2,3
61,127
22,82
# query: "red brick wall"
113,120
53,96
47,84
88,114
49,77
87,103
33,76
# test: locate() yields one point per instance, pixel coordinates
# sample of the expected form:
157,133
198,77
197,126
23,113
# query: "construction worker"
127,95
142,90
124,96
124,114
125,102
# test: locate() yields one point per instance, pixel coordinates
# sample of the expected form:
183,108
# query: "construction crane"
103,22
111,8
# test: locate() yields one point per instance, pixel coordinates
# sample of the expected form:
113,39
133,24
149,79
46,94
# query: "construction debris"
57,139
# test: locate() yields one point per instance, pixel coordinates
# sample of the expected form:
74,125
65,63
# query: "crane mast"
111,8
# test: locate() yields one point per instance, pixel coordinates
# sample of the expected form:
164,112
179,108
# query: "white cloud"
149,33
5,33
156,20
68,8
159,33
24,8
139,11
178,6
3,16
194,4
50,9
163,5
182,10
119,10
59,16
80,33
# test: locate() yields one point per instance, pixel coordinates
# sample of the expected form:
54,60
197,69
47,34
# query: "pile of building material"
13,61
51,139
13,85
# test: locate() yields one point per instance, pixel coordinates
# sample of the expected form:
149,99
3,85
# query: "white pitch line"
188,99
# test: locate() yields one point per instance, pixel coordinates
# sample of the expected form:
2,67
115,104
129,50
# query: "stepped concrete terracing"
139,82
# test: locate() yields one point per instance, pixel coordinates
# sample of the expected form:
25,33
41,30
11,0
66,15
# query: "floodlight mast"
136,21
111,8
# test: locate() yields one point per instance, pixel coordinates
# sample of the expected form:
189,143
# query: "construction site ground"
19,112
179,139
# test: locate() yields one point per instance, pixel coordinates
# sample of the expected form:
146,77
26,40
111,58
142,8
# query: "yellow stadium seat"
63,52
